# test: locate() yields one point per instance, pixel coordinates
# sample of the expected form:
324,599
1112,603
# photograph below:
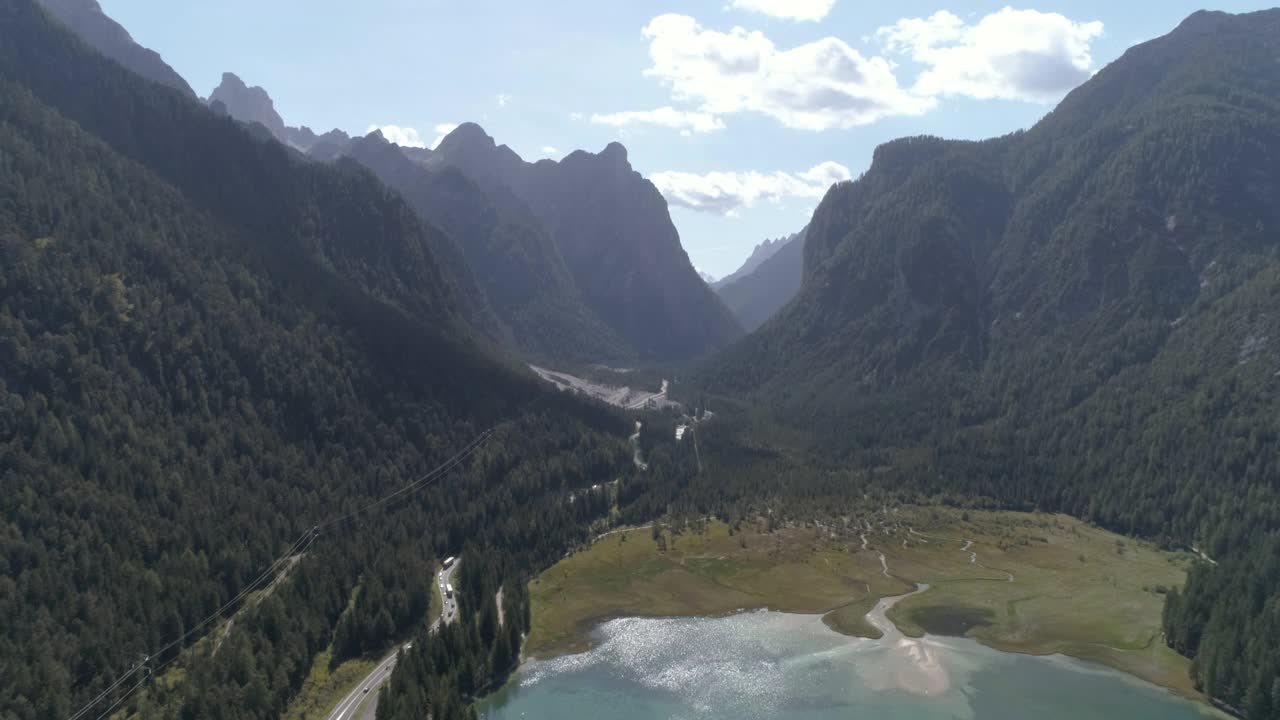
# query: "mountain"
86,19
1078,317
759,254
707,278
756,295
560,295
247,104
254,105
519,267
219,358
615,234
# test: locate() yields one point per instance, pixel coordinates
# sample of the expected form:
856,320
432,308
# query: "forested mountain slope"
615,234
1082,316
578,259
516,262
86,19
208,347
756,295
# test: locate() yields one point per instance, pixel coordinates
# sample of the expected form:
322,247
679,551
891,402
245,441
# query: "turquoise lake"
770,665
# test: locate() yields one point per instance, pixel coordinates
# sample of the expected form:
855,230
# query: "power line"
300,545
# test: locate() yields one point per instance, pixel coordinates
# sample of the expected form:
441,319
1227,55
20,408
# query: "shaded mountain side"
208,347
516,260
615,234
1078,317
254,105
757,295
248,104
519,266
759,254
86,19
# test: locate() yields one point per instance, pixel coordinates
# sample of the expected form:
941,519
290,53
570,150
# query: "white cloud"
683,120
1010,54
787,9
442,129
402,136
820,85
503,99
550,150
724,193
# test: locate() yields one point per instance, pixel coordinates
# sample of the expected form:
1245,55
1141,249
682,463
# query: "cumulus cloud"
1010,54
724,193
442,130
816,86
550,150
787,9
503,99
685,121
402,136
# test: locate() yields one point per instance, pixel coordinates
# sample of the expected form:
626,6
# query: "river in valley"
775,665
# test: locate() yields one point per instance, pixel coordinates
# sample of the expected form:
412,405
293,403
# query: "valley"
409,418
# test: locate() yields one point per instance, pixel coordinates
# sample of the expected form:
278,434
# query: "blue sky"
742,111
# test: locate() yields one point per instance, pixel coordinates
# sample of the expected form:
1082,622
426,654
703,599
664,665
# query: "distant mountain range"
759,254
579,258
766,281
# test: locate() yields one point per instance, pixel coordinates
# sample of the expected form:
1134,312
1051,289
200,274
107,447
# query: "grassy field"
1075,589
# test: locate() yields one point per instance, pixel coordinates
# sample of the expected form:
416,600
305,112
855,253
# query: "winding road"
350,706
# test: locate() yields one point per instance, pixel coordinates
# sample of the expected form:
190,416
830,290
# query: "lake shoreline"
594,624
1063,588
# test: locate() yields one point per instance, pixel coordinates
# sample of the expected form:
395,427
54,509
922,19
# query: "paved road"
368,687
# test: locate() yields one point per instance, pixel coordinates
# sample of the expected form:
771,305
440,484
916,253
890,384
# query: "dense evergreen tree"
1079,317
208,347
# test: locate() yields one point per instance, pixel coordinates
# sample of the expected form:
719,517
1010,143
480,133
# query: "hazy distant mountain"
252,104
755,296
759,254
86,19
247,104
707,278
560,294
505,246
613,229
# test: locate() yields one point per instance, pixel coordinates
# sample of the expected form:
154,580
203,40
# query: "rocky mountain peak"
250,104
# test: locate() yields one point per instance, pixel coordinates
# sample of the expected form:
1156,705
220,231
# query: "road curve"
368,688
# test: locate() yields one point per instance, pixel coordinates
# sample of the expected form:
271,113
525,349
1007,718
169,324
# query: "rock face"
756,295
514,261
86,19
759,254
1140,200
253,105
248,104
613,230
